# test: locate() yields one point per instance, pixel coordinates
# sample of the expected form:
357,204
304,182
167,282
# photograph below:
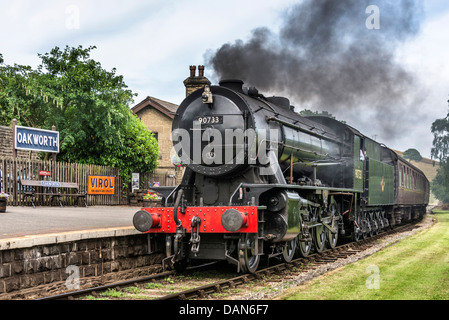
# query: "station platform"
25,227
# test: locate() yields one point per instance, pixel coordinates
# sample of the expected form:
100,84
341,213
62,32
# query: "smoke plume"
326,57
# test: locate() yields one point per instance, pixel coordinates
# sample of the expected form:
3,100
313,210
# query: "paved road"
22,221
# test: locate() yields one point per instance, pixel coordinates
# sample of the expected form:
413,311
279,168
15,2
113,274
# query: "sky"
153,43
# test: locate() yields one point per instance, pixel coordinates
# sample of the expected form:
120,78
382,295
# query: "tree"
88,105
412,154
440,150
440,184
440,130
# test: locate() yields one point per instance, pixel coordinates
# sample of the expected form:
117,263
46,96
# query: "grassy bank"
416,268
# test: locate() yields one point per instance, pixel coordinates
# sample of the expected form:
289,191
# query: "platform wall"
28,270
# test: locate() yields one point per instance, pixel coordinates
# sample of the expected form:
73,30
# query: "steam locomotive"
263,182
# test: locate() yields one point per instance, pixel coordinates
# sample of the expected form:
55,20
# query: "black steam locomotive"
262,182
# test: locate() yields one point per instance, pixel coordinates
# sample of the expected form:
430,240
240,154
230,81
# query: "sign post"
32,139
135,181
53,128
14,156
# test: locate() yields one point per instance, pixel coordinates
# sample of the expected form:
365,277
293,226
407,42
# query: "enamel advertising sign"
101,185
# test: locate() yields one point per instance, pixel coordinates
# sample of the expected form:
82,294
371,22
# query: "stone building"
157,115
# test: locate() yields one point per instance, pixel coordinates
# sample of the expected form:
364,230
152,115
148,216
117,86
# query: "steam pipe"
179,231
315,134
175,212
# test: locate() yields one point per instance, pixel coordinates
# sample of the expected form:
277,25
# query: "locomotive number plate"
209,119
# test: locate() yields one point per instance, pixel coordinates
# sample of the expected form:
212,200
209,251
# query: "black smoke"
325,58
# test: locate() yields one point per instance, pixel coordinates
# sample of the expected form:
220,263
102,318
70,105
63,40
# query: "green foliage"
412,154
87,104
440,184
440,130
440,150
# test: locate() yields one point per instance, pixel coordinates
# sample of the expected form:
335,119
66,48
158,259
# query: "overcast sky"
152,43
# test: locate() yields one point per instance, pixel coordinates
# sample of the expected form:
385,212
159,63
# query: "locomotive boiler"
263,182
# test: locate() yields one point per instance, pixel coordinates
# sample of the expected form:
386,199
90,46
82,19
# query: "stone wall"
57,267
6,146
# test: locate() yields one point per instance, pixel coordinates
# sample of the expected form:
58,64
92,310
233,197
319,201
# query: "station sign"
52,184
101,185
36,139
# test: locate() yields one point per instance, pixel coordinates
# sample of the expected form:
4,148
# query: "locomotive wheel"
356,234
375,227
365,229
248,258
371,228
319,238
181,266
289,250
380,223
304,248
332,238
387,223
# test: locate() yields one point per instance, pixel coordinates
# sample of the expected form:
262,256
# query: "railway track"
199,282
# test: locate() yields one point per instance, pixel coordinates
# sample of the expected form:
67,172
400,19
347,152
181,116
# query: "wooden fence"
12,171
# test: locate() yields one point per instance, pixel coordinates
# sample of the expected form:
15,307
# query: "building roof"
167,108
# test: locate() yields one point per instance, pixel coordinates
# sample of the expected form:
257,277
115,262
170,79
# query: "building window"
156,136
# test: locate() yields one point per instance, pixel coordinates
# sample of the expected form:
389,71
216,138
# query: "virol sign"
101,185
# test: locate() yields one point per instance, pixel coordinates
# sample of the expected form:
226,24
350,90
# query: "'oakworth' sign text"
36,139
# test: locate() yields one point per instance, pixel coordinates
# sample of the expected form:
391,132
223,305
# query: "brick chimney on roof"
194,82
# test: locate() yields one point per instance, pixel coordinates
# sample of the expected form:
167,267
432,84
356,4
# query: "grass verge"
416,268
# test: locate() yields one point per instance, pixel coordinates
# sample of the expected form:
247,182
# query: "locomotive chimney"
233,84
194,82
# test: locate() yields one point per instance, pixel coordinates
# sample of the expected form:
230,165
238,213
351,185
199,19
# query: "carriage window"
403,176
408,178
